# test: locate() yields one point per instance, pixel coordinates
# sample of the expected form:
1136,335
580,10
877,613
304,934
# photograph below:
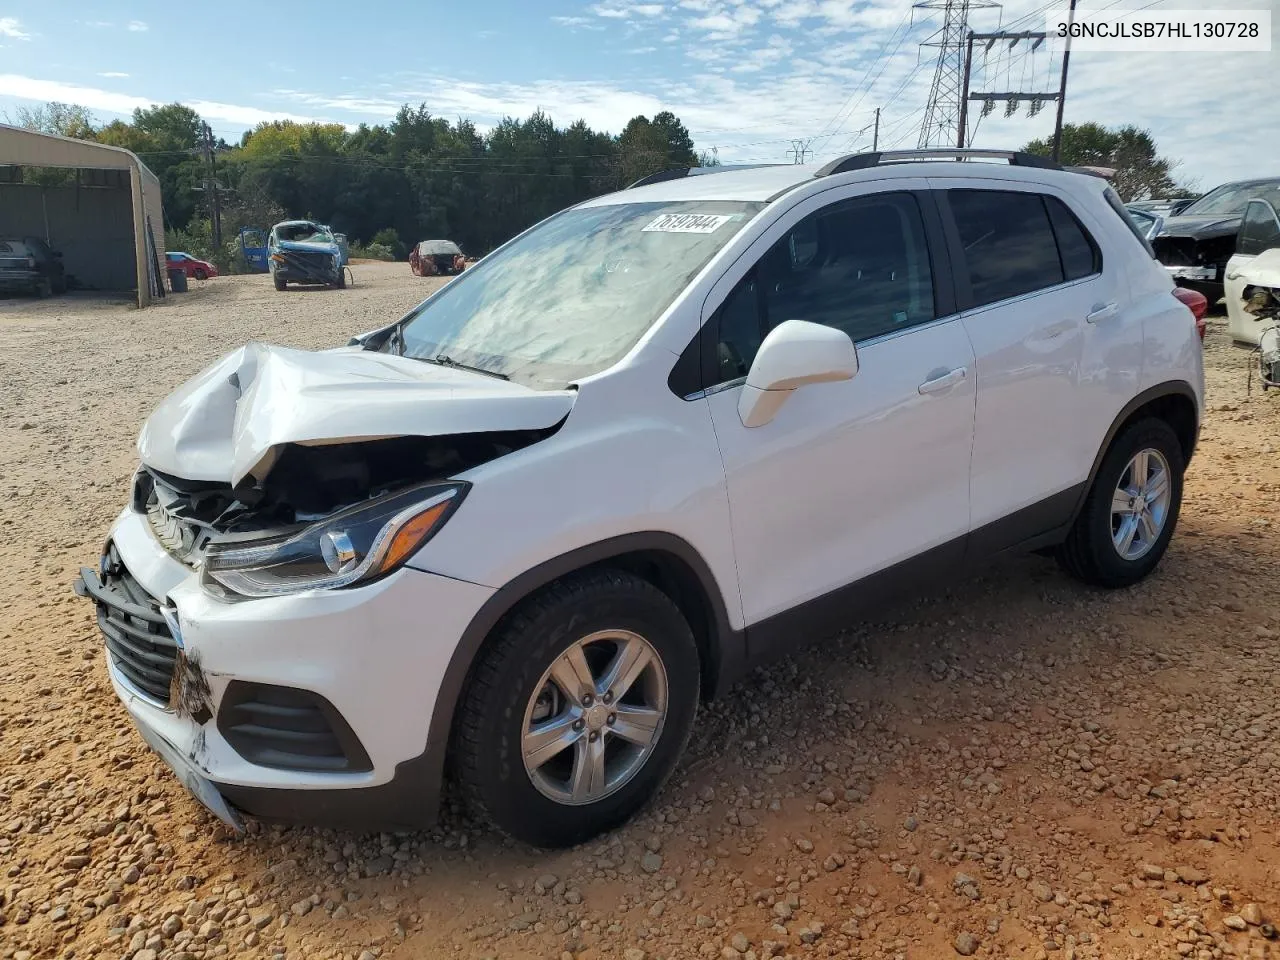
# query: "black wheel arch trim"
1169,388
727,651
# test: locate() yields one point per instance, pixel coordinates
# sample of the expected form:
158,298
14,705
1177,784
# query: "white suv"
652,441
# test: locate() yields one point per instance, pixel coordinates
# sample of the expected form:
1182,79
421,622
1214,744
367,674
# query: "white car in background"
1256,262
661,437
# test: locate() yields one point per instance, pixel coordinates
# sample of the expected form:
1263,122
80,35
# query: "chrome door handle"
943,380
1103,311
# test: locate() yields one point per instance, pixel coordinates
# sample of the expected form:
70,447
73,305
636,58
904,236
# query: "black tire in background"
488,733
1089,552
279,281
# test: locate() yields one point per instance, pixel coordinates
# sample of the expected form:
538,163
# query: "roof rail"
678,172
1106,173
864,161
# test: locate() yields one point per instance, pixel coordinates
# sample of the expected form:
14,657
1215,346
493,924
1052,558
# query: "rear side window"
1008,243
1080,256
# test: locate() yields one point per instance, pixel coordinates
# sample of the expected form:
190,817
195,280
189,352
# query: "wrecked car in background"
302,251
1253,273
432,258
1196,244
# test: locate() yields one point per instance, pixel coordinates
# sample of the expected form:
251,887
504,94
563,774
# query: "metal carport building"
106,218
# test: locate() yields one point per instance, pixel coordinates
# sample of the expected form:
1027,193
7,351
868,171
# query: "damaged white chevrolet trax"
514,537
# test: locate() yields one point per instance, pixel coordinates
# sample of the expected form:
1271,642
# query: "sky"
747,77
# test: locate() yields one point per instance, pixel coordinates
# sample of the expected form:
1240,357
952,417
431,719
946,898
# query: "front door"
849,478
1259,232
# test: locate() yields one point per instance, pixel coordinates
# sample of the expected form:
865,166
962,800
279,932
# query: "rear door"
1058,350
1259,232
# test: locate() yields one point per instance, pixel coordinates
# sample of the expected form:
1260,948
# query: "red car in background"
193,268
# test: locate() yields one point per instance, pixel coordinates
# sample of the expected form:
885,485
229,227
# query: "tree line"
421,176
417,177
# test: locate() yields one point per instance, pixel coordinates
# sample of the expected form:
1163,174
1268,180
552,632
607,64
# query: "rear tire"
44,289
554,767
201,275
279,281
1132,508
342,279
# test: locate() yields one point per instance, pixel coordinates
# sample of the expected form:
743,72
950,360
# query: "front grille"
138,639
1176,251
288,728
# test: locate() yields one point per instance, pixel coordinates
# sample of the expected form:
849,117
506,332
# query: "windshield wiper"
446,361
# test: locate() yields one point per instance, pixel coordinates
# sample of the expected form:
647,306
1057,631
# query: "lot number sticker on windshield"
687,223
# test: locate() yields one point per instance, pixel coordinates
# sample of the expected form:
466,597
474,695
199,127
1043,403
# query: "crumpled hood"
1263,270
1200,228
225,423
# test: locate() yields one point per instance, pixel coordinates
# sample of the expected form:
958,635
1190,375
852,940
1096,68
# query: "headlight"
353,546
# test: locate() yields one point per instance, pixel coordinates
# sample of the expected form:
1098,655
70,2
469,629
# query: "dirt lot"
1014,767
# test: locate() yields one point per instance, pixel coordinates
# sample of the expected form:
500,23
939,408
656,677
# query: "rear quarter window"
1113,201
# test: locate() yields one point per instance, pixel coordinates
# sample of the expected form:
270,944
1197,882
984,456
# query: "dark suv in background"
27,265
1196,244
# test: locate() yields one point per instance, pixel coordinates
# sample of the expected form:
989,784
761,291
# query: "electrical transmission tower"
942,113
800,150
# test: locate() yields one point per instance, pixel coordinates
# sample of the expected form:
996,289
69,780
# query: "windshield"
1231,199
304,233
573,295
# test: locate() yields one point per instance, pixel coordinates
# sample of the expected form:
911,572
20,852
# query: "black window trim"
960,274
1098,258
700,353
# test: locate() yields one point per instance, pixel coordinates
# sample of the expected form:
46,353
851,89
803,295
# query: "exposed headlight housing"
351,547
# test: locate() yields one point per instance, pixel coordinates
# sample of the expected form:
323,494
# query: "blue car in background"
303,251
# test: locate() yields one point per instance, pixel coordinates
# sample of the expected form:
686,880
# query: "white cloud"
30,88
11,28
113,74
613,10
138,26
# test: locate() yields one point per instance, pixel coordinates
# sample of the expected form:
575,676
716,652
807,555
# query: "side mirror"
795,353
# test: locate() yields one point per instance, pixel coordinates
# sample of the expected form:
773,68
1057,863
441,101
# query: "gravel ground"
1014,767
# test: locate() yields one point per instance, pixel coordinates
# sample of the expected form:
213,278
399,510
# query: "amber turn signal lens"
411,536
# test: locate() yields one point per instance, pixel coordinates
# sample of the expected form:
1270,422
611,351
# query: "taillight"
1197,303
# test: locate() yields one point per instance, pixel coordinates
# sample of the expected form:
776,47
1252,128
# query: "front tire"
278,280
577,709
202,275
1129,516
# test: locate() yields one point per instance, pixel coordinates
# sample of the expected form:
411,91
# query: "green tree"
1140,172
60,119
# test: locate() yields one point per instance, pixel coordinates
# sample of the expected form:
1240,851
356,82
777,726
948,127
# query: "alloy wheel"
595,717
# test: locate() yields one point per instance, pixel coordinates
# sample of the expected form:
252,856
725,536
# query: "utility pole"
800,150
211,185
1013,97
1062,90
964,97
875,137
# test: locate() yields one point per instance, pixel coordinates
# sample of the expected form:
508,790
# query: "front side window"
1260,230
1008,242
860,266
573,295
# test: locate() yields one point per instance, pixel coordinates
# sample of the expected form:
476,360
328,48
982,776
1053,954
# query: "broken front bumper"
1207,274
313,707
